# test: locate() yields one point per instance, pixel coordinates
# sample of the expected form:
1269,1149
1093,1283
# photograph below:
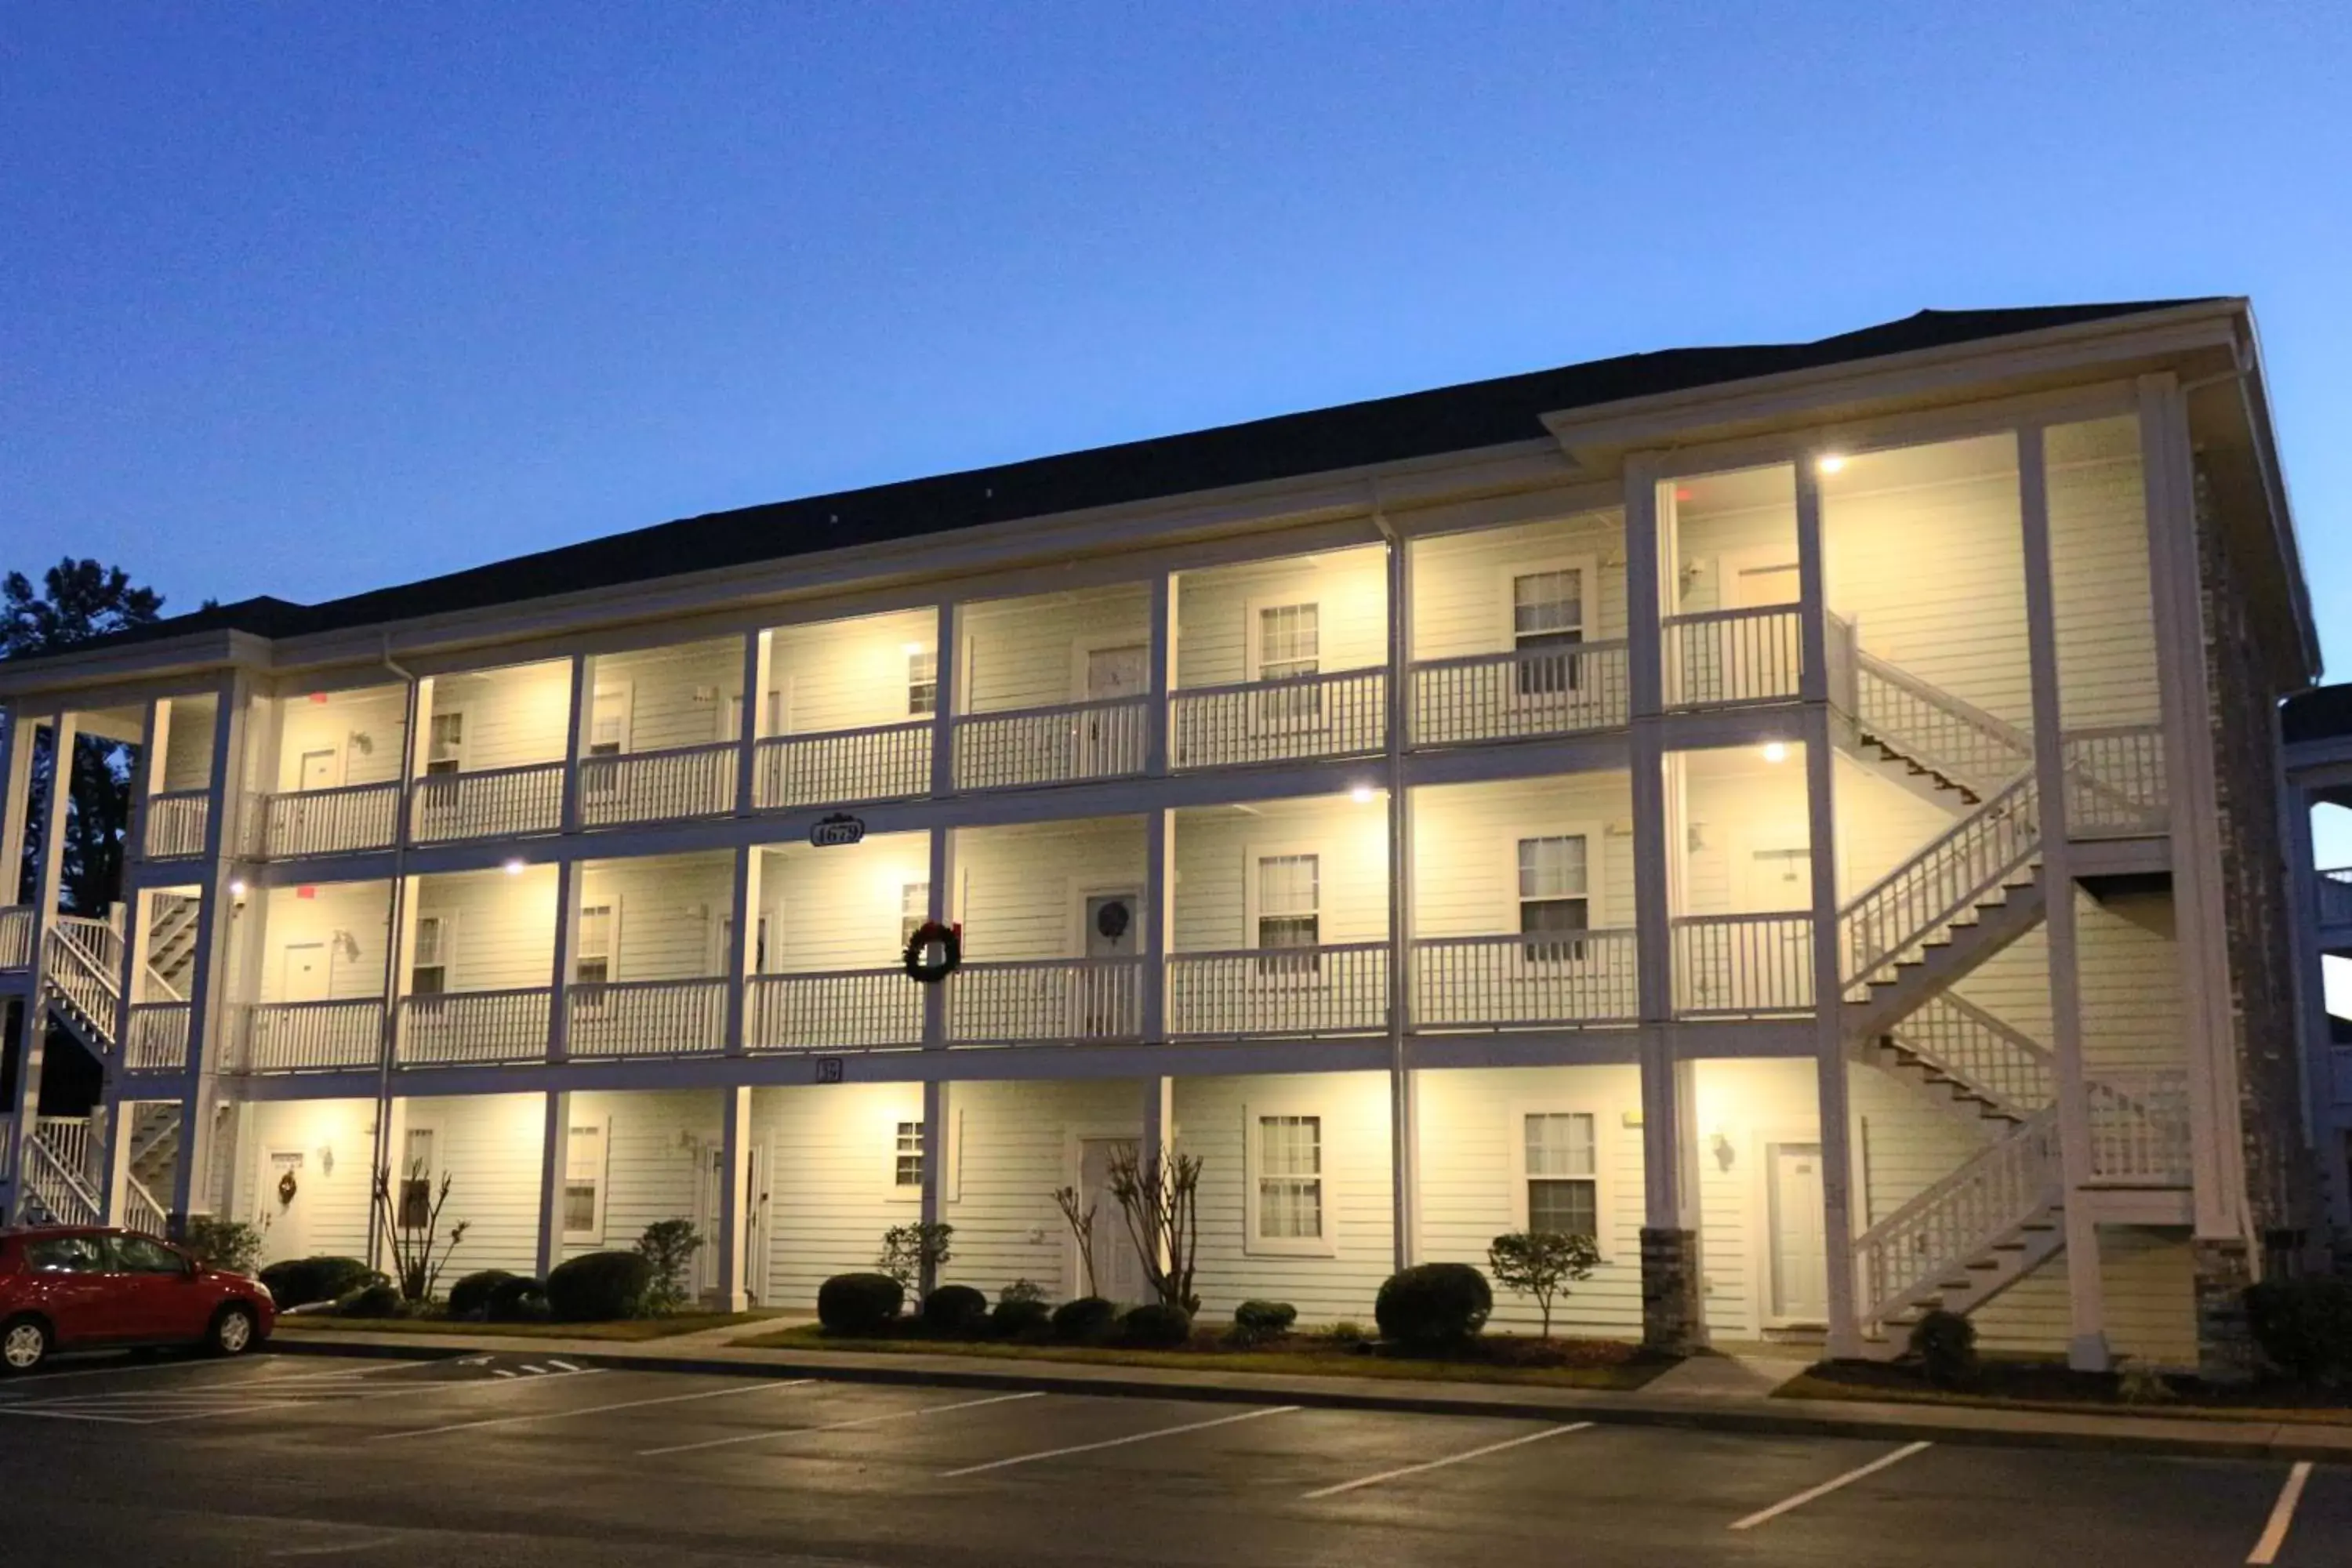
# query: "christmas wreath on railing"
930,935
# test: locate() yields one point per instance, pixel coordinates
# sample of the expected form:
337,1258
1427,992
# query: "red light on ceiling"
318,697
1682,492
306,892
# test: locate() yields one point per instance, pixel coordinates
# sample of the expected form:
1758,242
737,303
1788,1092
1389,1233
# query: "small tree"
668,1246
1082,1231
1160,1198
411,1219
228,1245
913,1255
1540,1263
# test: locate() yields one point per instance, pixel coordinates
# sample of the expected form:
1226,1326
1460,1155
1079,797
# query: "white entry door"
711,1180
302,974
1106,999
321,770
1112,742
1119,1272
289,1230
1800,1238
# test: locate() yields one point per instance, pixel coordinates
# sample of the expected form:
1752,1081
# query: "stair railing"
1924,896
1932,727
1991,1059
1905,1258
83,960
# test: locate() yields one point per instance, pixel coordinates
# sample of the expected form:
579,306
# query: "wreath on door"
930,935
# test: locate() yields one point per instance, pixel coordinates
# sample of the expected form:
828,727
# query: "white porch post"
758,653
209,1010
145,781
734,1196
946,700
571,876
32,1036
940,910
554,1167
2086,1346
1163,673
1158,1145
1404,1145
576,729
16,804
743,951
1159,920
938,1106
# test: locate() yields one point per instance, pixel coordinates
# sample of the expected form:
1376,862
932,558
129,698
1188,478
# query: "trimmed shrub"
230,1246
1346,1332
1024,1290
2304,1327
1085,1320
1946,1344
957,1309
300,1281
518,1298
471,1297
668,1246
1434,1306
1021,1321
598,1288
859,1303
1258,1321
379,1299
1156,1327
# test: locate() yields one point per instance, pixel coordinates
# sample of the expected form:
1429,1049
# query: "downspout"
394,912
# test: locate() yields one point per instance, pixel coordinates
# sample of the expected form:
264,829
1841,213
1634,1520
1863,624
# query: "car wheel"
232,1331
23,1345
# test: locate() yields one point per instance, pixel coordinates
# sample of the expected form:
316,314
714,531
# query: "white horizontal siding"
488,1145
839,908
515,716
348,921
1466,849
670,695
1214,608
328,1216
1737,806
2149,1276
654,1145
1461,581
1023,890
671,911
846,675
188,743
1019,1143
2105,607
1217,848
366,732
505,926
1031,653
830,1197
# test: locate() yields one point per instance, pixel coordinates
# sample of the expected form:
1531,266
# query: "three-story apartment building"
1793,812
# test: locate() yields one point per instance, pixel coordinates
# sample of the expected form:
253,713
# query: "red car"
83,1287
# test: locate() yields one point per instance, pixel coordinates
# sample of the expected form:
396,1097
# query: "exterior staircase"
61,1182
81,969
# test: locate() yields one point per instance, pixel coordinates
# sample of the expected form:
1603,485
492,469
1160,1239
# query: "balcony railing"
2114,781
494,803
2335,897
331,821
157,1040
1280,720
1738,965
1066,745
659,786
1045,1002
16,936
1334,990
843,767
1717,657
176,822
1508,982
466,1027
647,1018
1517,695
311,1036
842,1010
2139,1127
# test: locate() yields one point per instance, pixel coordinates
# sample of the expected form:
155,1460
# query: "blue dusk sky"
309,298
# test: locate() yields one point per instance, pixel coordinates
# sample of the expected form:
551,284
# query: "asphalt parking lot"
510,1461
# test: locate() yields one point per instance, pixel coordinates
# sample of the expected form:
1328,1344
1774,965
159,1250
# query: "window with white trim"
914,910
1289,641
415,1178
922,683
1290,1200
1547,619
428,964
907,1161
584,1184
444,744
1289,912
608,721
1554,895
1563,1172
591,956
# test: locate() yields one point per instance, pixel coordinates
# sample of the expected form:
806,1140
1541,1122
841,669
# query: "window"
415,1179
592,957
1289,1179
922,684
1290,647
584,1184
914,910
66,1255
1289,912
428,965
907,1165
1553,896
608,721
1563,1174
1547,614
445,747
138,1255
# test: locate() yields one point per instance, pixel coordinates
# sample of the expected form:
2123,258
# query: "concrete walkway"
1732,1399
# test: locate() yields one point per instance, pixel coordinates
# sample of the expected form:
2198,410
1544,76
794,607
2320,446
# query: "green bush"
859,1303
2304,1327
470,1298
378,1300
1021,1321
1084,1320
1946,1344
598,1288
230,1246
1022,1291
1434,1306
1156,1327
668,1246
1346,1332
300,1281
517,1299
956,1309
1258,1321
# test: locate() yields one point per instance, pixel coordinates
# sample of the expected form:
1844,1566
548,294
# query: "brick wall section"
1674,1291
2240,647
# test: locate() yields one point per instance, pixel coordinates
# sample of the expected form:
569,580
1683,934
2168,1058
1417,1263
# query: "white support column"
1404,1146
33,1031
938,1106
571,878
1158,1145
145,781
757,657
115,1160
735,1197
1155,740
941,911
2087,1347
576,723
15,803
743,951
946,701
1159,920
391,1165
554,1167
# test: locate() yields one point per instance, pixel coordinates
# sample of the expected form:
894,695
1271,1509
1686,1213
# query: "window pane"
1547,602
1552,867
922,684
1290,884
914,910
1289,641
579,1206
909,1165
596,931
428,941
1563,1208
1560,1144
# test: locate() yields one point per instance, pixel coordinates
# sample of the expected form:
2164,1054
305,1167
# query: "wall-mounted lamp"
326,1159
1724,1152
1361,795
514,867
1775,750
1830,463
237,888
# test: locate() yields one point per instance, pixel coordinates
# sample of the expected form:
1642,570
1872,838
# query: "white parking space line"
593,1409
783,1432
1802,1498
2266,1550
211,1399
1117,1442
1441,1464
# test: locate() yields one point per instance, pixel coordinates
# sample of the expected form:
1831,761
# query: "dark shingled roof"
1389,429
2321,713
